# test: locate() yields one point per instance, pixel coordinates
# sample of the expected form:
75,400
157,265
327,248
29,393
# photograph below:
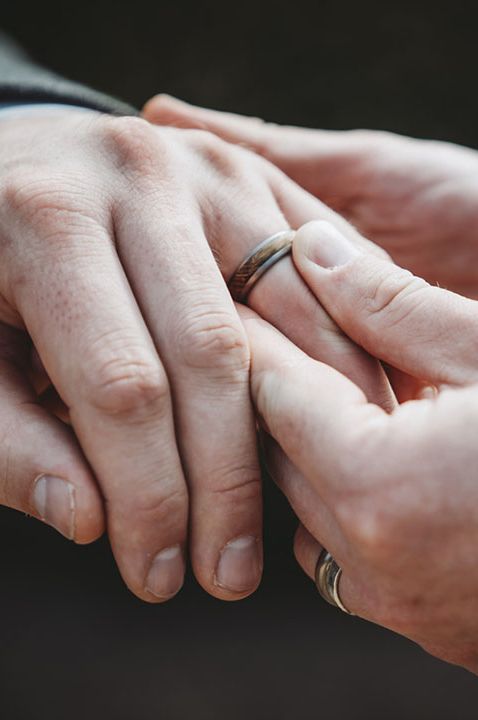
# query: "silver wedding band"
327,578
261,259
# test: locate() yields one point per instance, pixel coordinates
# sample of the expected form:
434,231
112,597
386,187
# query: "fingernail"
321,243
166,574
54,500
240,565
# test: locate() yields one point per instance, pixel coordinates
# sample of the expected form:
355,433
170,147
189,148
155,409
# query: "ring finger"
353,595
202,343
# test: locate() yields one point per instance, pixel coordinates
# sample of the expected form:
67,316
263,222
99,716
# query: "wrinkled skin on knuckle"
52,203
128,389
161,504
138,149
153,517
213,342
236,485
393,295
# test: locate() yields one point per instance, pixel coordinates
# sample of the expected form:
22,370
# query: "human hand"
107,269
392,496
418,199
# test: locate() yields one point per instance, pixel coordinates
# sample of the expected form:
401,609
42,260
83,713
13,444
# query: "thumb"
423,330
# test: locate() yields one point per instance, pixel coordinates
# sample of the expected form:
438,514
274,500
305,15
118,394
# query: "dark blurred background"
74,643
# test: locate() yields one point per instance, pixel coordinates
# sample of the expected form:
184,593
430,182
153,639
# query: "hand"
392,496
417,199
107,270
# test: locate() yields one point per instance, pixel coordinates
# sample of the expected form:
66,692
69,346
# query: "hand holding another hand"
417,199
117,239
392,496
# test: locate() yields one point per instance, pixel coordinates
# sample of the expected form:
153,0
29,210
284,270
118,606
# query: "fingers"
203,345
425,331
303,497
355,457
281,296
42,470
307,552
166,110
282,299
103,363
328,164
318,417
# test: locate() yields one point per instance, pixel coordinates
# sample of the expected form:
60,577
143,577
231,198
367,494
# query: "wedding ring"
261,259
327,578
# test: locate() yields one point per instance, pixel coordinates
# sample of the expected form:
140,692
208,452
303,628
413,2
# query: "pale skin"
116,239
418,199
392,495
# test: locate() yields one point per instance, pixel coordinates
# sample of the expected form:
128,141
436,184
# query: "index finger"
317,415
91,337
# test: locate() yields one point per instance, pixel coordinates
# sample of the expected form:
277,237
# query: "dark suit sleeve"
21,80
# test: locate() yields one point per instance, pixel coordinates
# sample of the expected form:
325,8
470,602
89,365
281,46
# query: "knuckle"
160,505
376,522
20,190
393,296
129,389
238,485
366,503
134,144
54,205
369,530
219,155
25,194
211,340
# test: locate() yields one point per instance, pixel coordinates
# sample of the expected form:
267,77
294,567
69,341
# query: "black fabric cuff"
22,80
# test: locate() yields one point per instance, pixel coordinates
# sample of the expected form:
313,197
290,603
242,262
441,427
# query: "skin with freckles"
116,240
392,496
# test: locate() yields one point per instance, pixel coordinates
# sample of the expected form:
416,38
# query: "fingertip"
88,520
162,108
229,596
238,568
73,507
320,245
